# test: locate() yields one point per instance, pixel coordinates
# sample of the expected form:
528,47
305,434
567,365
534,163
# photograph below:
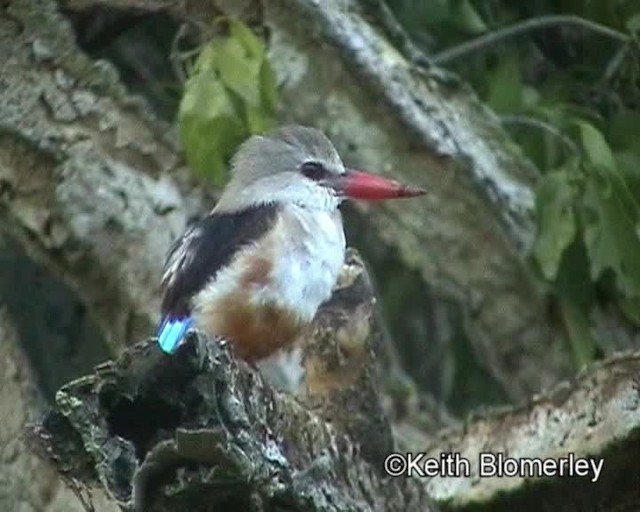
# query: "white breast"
309,253
305,250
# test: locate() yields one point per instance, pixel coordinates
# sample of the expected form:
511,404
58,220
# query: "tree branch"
199,430
539,124
27,482
84,172
172,433
596,416
499,36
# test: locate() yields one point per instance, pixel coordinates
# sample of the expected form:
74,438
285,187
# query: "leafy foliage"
572,98
558,224
230,94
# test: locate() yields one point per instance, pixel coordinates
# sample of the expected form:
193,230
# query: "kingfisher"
255,270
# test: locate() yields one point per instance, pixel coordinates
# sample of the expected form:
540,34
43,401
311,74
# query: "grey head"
293,164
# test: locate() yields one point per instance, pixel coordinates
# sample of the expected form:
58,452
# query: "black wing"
206,247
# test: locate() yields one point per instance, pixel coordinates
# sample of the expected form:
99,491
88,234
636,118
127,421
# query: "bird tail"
171,332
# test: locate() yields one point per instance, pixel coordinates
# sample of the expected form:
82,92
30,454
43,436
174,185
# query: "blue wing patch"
171,333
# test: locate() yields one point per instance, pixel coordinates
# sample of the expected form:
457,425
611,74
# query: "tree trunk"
26,481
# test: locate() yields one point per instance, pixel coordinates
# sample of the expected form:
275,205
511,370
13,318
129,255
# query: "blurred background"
521,268
566,90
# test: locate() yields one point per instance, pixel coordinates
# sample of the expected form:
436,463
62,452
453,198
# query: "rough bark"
80,167
597,415
27,483
201,430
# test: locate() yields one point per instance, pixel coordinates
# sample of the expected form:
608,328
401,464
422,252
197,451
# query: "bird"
255,270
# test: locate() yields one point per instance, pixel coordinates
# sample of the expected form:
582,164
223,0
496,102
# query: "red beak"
371,187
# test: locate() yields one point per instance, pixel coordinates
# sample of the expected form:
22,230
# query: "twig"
539,124
175,56
498,36
615,63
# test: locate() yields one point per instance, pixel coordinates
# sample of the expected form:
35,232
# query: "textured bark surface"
211,435
80,167
27,483
200,429
597,415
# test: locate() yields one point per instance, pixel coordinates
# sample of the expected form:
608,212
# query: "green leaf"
530,95
208,123
611,232
241,33
631,309
268,89
239,71
240,59
576,321
633,23
595,146
628,163
465,17
556,220
624,128
230,94
573,282
258,121
206,60
505,87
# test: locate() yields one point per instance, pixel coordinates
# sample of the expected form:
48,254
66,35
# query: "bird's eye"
313,170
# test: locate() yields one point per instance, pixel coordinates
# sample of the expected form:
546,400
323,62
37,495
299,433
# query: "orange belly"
255,332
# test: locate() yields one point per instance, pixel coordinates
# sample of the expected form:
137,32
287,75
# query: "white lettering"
597,468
